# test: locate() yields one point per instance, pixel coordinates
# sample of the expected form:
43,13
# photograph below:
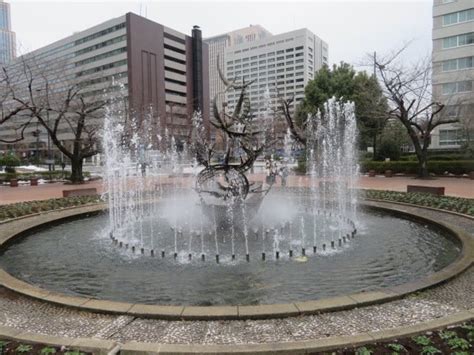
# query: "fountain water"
153,205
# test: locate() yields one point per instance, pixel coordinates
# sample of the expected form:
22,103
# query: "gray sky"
351,28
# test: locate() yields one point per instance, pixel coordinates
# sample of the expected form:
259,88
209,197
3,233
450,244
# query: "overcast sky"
351,28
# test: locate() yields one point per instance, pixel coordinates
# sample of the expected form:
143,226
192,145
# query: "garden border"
24,225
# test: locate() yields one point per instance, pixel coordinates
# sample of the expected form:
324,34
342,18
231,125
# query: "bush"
57,174
388,149
411,167
9,160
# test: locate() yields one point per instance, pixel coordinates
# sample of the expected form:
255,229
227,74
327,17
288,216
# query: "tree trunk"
76,171
374,156
423,172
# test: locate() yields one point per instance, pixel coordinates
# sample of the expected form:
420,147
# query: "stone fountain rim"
22,226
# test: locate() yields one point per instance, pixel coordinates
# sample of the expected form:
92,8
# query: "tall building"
217,46
281,65
453,70
7,36
159,67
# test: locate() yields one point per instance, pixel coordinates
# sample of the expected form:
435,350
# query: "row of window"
450,136
458,64
458,17
269,54
263,45
230,70
457,87
174,38
101,45
102,68
232,97
102,79
459,40
101,56
99,34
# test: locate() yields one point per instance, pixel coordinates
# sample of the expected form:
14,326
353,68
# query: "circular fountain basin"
77,258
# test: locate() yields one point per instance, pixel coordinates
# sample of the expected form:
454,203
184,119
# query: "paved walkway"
27,315
460,187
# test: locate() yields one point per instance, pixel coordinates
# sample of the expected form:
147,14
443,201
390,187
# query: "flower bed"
20,209
452,340
14,347
449,203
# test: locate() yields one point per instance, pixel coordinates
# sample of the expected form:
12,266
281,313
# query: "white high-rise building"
217,46
453,70
282,64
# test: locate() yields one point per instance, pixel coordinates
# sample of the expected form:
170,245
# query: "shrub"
411,167
388,149
57,174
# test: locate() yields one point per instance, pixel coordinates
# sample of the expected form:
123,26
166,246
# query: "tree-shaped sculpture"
223,180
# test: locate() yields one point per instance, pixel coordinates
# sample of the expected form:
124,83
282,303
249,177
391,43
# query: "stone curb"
101,346
464,260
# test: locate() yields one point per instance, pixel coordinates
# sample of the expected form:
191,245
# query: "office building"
453,70
7,36
158,66
217,46
280,65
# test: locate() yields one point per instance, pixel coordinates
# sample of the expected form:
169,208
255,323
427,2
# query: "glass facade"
7,37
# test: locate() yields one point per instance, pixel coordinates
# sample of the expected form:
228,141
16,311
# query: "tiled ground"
453,186
34,316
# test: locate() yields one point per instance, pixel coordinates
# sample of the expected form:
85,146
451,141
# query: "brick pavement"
460,187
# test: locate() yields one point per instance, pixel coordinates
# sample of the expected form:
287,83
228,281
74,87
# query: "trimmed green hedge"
449,203
411,167
20,209
57,174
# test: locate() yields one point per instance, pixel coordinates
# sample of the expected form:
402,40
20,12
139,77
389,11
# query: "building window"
289,50
289,56
280,52
460,86
458,17
450,137
458,64
458,41
262,55
253,58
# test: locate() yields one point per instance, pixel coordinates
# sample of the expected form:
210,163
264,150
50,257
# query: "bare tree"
52,95
408,90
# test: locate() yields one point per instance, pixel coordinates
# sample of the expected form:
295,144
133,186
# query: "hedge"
39,174
411,167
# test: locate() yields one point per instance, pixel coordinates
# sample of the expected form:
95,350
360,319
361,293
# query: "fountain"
187,224
219,211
